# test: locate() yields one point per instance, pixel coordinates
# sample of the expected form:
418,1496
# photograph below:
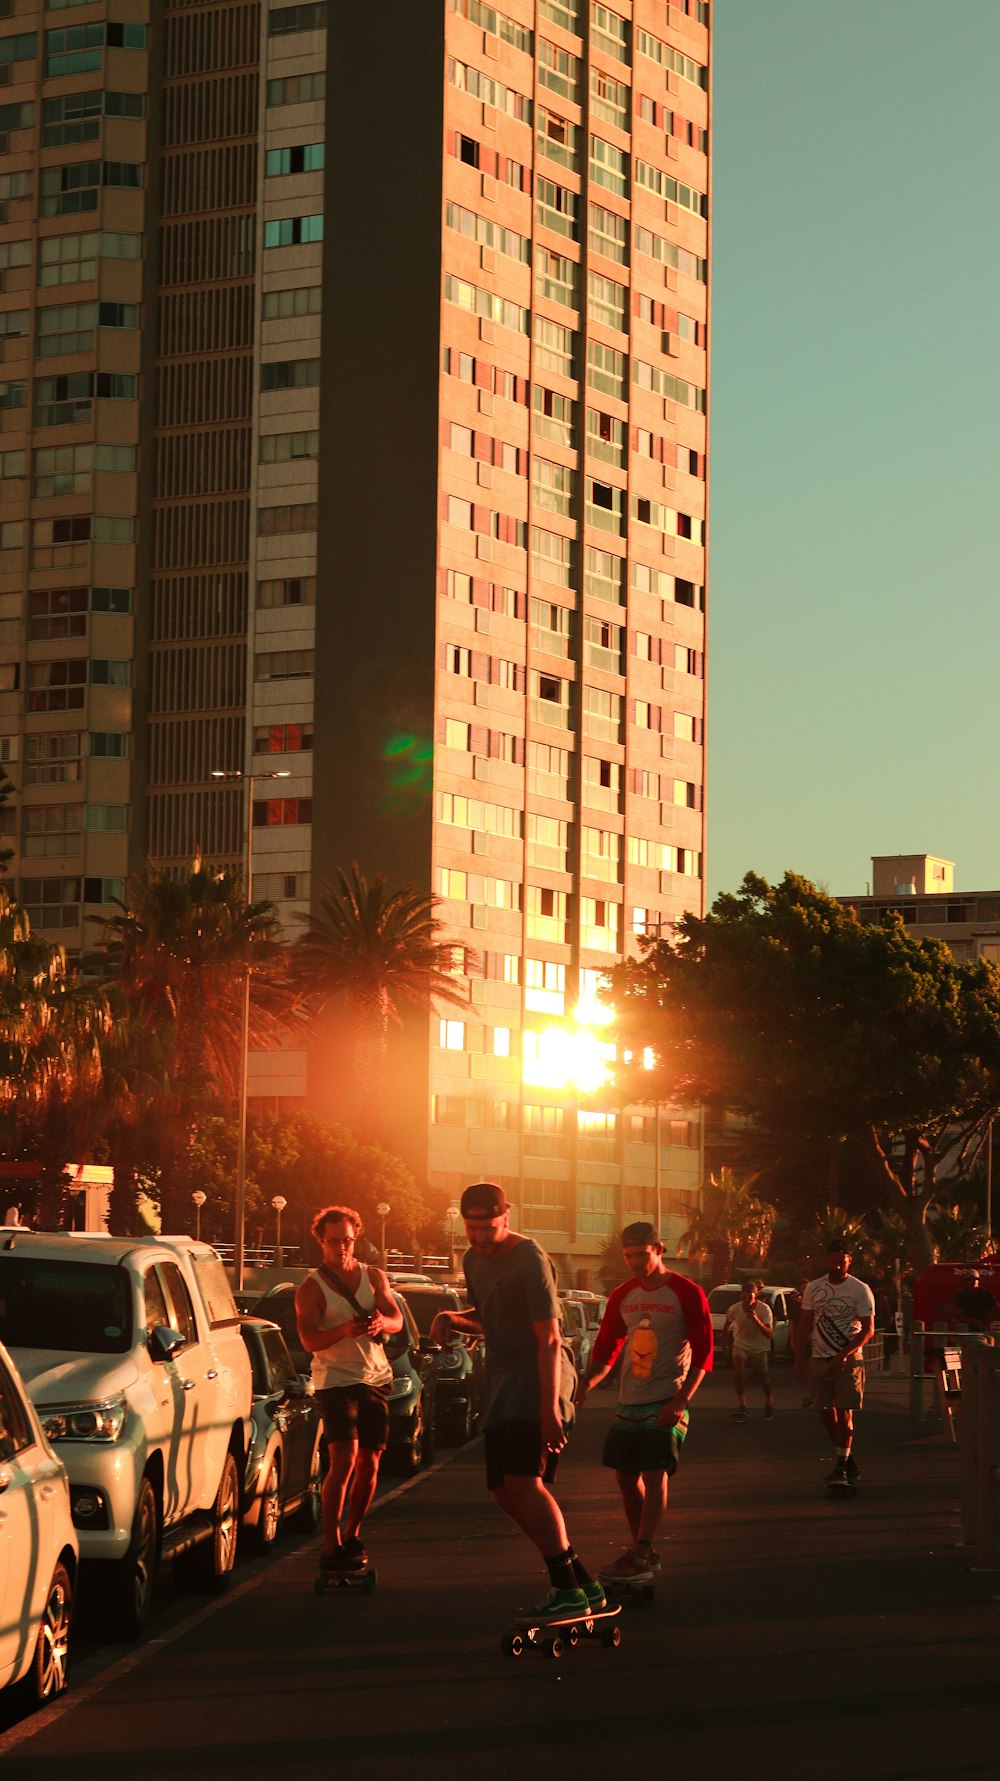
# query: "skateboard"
362,1581
553,1637
841,1487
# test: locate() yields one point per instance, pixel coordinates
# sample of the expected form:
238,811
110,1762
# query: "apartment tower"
353,419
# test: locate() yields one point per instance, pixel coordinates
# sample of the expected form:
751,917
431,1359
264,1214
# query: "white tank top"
356,1360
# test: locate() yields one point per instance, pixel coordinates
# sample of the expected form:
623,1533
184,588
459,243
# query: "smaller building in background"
920,887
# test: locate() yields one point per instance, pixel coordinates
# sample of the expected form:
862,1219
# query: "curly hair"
333,1215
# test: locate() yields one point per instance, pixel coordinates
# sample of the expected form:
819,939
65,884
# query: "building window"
289,374
301,157
296,89
300,517
283,738
51,830
282,21
284,664
272,813
293,231
304,299
295,590
53,759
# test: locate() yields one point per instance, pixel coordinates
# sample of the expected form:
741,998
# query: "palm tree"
376,952
177,956
958,1232
731,1221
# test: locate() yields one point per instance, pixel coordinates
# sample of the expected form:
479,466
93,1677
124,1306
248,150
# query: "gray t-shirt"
511,1292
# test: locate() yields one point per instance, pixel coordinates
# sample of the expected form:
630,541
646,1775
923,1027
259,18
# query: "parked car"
132,1353
412,1394
722,1298
285,1457
460,1364
577,1330
38,1548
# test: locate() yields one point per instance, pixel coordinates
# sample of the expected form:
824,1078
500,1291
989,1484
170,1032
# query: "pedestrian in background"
838,1318
749,1329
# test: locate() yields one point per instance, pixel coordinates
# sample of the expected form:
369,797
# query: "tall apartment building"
353,408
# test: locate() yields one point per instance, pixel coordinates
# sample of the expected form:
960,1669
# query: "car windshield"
722,1297
76,1307
425,1304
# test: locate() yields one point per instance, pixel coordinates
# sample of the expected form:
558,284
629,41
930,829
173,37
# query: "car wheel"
310,1513
49,1671
131,1596
209,1564
269,1515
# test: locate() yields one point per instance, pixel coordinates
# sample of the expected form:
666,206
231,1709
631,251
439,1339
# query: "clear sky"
854,705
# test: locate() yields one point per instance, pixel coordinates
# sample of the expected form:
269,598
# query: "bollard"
917,1370
977,1362
988,1478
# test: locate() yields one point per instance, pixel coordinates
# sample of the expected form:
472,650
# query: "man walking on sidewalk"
529,1388
662,1322
749,1327
838,1318
344,1311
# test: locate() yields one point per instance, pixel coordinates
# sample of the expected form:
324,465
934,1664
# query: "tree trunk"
123,1212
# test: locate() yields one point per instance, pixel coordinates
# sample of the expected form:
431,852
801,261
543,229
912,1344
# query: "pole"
989,1185
241,1139
657,1183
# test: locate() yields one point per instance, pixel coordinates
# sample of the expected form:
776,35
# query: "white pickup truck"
131,1351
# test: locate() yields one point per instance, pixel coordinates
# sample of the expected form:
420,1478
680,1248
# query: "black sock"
580,1571
560,1569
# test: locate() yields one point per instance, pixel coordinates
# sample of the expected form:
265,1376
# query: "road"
791,1633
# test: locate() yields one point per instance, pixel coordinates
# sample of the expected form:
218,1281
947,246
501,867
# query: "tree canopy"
782,1005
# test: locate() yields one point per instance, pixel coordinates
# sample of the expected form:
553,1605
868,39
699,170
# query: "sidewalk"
792,1633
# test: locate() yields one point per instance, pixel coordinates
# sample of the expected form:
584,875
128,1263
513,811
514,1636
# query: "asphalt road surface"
792,1634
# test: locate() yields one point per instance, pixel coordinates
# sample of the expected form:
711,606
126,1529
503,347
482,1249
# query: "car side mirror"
164,1342
429,1347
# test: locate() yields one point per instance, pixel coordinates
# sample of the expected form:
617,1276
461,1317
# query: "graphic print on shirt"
643,1349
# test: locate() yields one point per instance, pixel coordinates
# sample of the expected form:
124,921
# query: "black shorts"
642,1448
355,1413
514,1450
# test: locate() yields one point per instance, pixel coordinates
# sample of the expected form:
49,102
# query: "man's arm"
309,1308
388,1317
549,1339
854,1347
607,1344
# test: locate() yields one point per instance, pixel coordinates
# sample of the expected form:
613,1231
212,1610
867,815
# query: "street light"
382,1211
198,1200
279,1203
250,779
452,1213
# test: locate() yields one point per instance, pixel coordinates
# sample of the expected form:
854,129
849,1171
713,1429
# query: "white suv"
38,1548
132,1353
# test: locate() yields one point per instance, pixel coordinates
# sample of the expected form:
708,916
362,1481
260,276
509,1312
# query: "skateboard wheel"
554,1646
611,1635
512,1645
572,1634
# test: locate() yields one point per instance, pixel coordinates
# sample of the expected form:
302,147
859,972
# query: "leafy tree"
731,1224
958,1231
783,1006
176,959
374,953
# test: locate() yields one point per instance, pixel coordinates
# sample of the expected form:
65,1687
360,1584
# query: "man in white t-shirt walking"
838,1318
749,1325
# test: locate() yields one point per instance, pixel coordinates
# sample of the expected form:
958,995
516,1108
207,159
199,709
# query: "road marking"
46,1716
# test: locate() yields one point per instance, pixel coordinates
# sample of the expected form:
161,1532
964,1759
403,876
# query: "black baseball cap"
484,1197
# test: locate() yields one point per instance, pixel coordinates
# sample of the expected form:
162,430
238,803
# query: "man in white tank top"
344,1311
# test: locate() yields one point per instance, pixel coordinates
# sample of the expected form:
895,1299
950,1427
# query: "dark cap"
640,1236
484,1197
839,1246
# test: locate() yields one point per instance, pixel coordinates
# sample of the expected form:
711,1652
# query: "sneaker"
741,1415
839,1474
332,1563
653,1559
356,1558
595,1595
559,1604
630,1568
768,1412
851,1469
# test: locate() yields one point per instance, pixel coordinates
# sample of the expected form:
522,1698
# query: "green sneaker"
595,1595
559,1604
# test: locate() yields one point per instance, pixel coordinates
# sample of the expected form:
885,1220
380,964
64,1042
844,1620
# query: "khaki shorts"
754,1358
836,1387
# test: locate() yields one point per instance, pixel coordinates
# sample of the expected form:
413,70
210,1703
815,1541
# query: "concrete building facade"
365,355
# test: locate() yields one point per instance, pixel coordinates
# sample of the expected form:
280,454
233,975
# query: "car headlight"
402,1386
451,1360
100,1420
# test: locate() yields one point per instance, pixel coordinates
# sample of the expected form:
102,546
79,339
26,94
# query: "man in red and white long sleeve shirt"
662,1323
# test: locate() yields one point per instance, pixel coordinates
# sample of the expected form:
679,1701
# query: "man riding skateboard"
344,1311
529,1389
662,1322
838,1318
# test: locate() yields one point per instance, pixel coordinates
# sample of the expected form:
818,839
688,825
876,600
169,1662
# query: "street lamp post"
382,1211
198,1200
279,1203
250,779
451,1215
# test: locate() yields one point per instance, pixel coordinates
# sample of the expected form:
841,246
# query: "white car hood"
57,1378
